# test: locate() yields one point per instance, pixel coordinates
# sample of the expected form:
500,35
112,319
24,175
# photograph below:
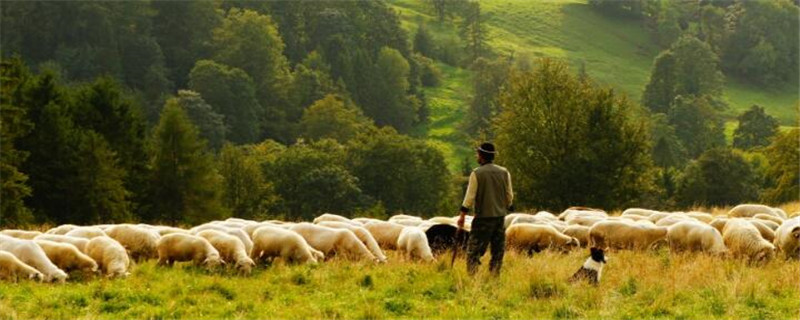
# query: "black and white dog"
592,269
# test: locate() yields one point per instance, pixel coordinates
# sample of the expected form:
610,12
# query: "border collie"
592,269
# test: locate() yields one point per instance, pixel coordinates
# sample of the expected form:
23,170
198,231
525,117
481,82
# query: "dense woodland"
182,112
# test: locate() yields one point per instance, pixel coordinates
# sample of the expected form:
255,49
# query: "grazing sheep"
654,218
769,217
578,232
32,254
239,233
414,243
184,247
335,218
581,212
787,238
673,219
67,257
79,243
744,241
363,220
362,235
274,242
531,238
110,256
386,233
230,248
333,241
403,217
139,242
165,230
626,235
719,223
763,229
639,212
695,236
701,216
11,268
62,229
251,229
409,222
586,221
750,210
21,234
86,232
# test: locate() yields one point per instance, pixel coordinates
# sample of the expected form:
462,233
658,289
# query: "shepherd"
489,193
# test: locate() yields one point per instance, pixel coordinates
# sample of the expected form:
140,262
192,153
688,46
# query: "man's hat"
487,147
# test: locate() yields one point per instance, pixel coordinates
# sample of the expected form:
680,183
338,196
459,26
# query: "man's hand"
461,220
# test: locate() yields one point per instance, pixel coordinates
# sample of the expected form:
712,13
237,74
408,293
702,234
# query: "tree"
473,32
390,87
333,118
697,124
440,7
312,81
756,128
489,78
14,123
423,42
784,168
668,152
231,93
404,174
719,177
184,185
100,180
689,67
430,75
246,192
583,141
211,124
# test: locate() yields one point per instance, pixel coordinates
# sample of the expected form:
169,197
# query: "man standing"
490,194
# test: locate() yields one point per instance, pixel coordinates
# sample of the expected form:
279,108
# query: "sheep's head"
213,261
38,276
245,265
763,256
59,276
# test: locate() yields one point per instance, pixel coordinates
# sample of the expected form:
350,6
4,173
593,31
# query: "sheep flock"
751,232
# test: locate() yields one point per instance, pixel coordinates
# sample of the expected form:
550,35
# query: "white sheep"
184,247
750,210
765,231
386,233
273,242
67,257
695,236
21,234
333,241
230,248
531,238
140,242
639,212
787,238
11,268
414,243
165,230
110,256
744,241
701,216
32,254
403,217
79,243
362,235
578,232
62,229
581,212
236,232
86,232
626,235
673,219
335,218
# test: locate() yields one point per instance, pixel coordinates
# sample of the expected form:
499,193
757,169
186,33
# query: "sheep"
768,217
583,212
332,241
509,218
272,242
673,219
33,255
534,238
67,257
86,232
654,218
139,242
364,220
787,238
744,241
251,229
414,243
79,243
750,210
386,233
165,230
586,221
403,217
239,233
626,235
335,218
11,268
21,234
639,212
719,223
409,222
62,229
555,223
230,248
362,235
578,232
110,256
701,216
695,236
184,247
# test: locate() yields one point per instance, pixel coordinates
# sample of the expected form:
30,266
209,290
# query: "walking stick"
456,244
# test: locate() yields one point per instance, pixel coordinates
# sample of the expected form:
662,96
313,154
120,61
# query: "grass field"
615,52
635,285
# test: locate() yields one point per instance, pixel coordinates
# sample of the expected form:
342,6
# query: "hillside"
614,52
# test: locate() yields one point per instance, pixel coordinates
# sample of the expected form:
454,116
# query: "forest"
182,112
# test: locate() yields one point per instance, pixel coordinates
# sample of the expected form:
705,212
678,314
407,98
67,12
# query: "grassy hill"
615,52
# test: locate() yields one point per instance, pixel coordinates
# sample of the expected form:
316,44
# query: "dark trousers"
486,232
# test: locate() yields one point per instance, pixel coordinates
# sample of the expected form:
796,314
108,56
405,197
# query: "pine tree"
14,123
